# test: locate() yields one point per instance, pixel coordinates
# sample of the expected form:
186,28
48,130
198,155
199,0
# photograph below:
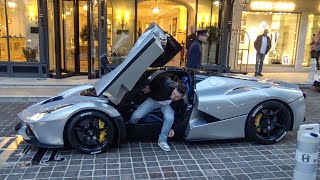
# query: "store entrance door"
74,46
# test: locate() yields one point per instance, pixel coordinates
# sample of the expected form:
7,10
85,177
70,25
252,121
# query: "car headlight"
38,116
41,115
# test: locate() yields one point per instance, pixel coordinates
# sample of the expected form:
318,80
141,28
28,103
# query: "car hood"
66,98
154,48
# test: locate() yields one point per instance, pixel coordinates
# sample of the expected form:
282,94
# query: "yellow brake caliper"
257,121
103,133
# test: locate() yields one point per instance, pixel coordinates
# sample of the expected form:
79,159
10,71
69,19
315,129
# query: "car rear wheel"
268,123
91,132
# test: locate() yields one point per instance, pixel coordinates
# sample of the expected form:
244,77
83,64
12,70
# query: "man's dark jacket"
258,43
190,40
161,89
194,55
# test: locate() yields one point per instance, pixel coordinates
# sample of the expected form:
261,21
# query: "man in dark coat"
262,45
194,55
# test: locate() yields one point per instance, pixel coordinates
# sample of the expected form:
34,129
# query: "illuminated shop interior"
61,38
282,28
19,40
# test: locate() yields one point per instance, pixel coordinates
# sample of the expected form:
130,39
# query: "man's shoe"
255,74
260,74
164,146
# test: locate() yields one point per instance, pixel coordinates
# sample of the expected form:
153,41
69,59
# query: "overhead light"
12,4
85,7
216,3
156,10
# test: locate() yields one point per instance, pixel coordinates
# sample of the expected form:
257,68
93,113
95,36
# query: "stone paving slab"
219,159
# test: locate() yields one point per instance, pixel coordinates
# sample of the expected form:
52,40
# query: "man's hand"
171,133
146,89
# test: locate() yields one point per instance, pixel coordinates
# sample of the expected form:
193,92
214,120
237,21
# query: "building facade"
62,38
291,26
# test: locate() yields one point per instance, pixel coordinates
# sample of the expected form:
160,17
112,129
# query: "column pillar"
303,29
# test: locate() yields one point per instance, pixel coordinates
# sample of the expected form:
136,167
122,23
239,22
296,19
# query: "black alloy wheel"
268,122
91,132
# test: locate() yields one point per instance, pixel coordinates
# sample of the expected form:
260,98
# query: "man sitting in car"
167,95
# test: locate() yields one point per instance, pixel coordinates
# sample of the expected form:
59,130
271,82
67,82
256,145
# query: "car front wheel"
268,123
91,132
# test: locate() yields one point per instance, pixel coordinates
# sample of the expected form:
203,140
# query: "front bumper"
25,131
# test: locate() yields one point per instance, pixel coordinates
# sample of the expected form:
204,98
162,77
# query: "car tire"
268,123
91,132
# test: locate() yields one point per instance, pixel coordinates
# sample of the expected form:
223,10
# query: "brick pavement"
227,159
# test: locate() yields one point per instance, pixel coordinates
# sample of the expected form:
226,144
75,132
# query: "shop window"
3,33
51,36
283,31
23,30
313,29
170,16
208,16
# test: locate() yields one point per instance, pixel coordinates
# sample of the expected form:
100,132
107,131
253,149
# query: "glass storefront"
19,31
313,29
51,34
170,16
283,31
4,56
176,17
68,64
208,16
74,34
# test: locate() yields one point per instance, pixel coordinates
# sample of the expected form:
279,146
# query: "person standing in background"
313,51
190,38
317,48
262,45
194,55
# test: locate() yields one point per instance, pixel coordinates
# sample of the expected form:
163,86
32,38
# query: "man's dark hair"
182,89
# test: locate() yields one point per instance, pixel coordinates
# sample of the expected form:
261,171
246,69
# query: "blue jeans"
150,105
259,62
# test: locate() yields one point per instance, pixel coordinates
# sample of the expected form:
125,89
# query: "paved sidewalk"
37,89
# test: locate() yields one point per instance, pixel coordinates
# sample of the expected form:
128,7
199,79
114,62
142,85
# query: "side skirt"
200,129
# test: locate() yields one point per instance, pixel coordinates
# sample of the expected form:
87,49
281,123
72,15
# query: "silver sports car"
93,118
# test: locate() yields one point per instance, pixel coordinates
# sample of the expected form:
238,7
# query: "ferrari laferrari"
92,118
